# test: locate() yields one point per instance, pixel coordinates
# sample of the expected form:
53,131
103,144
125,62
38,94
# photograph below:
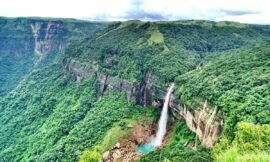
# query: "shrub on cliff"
90,156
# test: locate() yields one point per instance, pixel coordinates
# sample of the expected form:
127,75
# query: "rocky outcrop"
143,92
202,121
47,36
29,42
125,149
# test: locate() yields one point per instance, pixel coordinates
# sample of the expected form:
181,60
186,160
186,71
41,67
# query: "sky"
244,11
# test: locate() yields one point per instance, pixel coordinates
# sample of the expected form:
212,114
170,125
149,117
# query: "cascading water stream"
162,124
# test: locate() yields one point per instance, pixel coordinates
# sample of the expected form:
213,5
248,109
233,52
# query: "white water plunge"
162,124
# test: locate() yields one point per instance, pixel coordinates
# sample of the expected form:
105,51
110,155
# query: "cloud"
238,13
140,14
245,11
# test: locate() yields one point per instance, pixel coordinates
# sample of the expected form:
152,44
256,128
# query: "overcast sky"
245,11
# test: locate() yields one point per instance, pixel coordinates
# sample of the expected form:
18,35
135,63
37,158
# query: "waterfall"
162,124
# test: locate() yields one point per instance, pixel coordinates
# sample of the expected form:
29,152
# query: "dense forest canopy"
48,114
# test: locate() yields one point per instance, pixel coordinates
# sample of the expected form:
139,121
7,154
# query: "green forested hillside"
237,81
167,49
49,117
17,44
46,115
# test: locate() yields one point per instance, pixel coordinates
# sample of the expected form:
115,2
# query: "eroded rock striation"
47,37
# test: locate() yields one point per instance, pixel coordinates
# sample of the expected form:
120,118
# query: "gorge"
146,93
72,90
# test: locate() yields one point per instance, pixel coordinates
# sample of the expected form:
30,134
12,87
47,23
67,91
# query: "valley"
74,90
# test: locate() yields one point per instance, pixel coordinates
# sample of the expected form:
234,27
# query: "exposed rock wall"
143,92
47,36
202,121
26,43
199,121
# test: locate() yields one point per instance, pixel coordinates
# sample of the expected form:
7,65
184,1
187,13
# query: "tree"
90,156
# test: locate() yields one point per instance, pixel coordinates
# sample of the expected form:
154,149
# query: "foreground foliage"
90,156
251,143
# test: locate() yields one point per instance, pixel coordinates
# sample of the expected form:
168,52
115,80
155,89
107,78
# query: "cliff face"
24,37
25,42
143,92
203,122
48,36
